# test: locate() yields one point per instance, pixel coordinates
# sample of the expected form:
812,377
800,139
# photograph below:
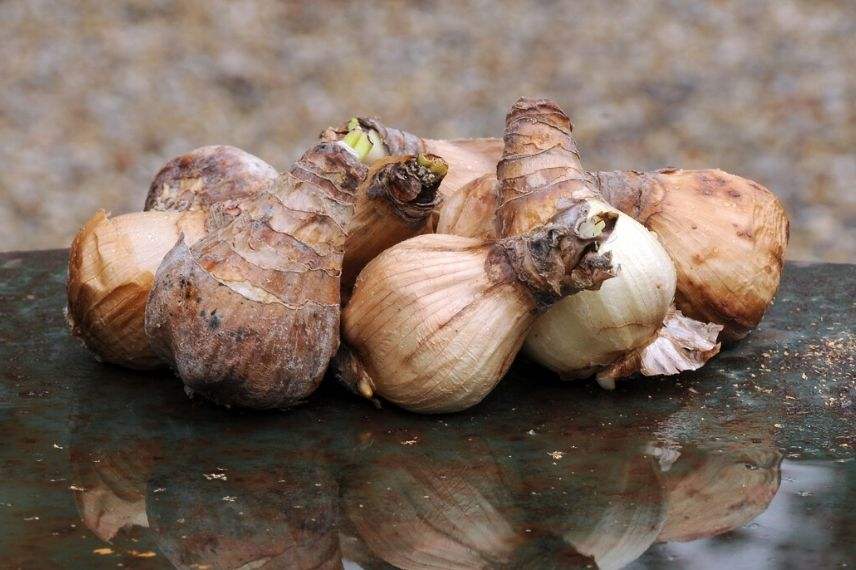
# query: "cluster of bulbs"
420,268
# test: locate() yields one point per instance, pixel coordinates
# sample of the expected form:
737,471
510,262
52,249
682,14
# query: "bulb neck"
371,140
408,184
540,172
557,260
395,141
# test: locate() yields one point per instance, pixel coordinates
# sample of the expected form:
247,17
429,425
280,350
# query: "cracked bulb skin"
726,234
112,261
220,175
435,322
398,196
111,268
249,316
469,212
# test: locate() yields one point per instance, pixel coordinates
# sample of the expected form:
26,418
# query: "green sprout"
358,139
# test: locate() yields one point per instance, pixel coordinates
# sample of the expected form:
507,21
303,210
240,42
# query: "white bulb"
585,332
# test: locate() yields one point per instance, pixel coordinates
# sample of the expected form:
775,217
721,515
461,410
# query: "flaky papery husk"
394,203
679,343
112,261
435,321
249,315
727,236
111,268
207,176
581,335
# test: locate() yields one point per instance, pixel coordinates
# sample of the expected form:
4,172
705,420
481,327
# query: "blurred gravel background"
95,96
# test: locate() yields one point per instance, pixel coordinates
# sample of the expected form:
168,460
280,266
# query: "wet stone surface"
746,463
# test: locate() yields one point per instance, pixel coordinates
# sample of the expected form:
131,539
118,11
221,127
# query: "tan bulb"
111,269
435,321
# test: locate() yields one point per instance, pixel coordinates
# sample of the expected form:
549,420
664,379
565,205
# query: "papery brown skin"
435,321
111,269
400,350
541,178
413,313
249,316
678,344
591,331
727,236
106,309
207,176
394,203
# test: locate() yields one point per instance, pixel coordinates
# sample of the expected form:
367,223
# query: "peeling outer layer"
393,204
249,316
540,172
555,261
541,178
216,179
726,235
681,344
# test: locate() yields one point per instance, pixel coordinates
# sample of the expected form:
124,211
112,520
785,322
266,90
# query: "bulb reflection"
393,489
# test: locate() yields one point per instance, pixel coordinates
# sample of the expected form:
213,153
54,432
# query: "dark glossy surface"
745,464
